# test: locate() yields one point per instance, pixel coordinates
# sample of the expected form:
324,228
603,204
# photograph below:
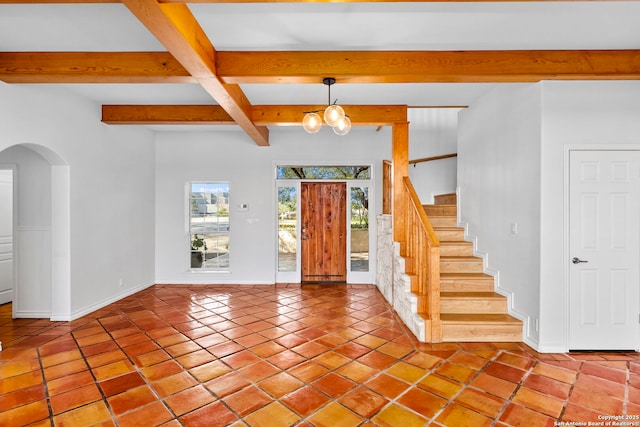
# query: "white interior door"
604,215
6,236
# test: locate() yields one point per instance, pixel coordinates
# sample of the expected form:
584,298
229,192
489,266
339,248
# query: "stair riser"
462,249
445,199
440,210
443,221
455,234
474,266
481,333
472,306
466,286
471,310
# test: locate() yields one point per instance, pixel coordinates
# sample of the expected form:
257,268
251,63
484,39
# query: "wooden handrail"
415,202
421,250
428,159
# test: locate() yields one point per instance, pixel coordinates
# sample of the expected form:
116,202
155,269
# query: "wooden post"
400,160
387,182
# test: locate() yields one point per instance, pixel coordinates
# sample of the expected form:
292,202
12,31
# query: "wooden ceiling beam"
92,67
262,115
311,67
349,1
58,1
427,66
177,29
360,115
280,1
165,115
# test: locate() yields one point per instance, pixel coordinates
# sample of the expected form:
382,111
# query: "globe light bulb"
312,123
343,126
333,114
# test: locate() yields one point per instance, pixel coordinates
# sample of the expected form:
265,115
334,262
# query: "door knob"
577,260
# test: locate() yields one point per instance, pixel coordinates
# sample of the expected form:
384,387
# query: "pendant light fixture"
334,115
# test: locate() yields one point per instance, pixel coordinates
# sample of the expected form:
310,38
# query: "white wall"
232,156
513,159
602,115
6,234
499,187
33,231
110,173
433,132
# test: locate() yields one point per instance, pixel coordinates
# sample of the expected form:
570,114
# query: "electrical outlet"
121,282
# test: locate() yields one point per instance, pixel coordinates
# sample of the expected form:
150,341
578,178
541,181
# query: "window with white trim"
209,225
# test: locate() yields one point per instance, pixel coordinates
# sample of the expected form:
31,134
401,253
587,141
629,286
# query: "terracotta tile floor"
287,355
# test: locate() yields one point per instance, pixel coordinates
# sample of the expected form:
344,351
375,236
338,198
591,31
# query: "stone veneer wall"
392,281
384,259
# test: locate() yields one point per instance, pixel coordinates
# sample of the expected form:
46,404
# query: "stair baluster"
421,250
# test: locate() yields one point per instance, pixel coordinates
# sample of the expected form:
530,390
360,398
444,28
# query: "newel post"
400,160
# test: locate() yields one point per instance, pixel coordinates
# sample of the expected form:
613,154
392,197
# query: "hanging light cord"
329,81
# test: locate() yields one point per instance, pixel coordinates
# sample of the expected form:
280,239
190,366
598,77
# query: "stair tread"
440,210
465,276
471,310
456,244
453,318
460,258
475,295
438,221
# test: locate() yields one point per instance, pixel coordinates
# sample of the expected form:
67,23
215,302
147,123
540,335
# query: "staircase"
470,309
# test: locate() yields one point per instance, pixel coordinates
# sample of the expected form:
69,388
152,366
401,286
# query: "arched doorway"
41,235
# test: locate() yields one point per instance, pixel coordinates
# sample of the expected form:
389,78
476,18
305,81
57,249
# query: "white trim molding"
63,317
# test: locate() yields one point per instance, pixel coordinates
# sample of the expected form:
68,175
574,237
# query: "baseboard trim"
524,318
32,314
552,349
224,282
534,344
64,317
6,296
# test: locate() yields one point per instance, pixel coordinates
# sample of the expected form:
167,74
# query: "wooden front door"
324,231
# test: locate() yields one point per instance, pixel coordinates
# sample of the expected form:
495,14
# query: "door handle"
577,260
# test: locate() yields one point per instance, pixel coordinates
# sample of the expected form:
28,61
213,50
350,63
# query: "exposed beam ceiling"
191,58
261,115
177,29
311,67
352,1
426,67
92,67
282,1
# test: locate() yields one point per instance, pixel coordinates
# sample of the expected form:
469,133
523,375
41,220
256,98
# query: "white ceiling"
326,26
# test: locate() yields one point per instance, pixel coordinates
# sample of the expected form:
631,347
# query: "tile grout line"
519,385
573,385
625,401
248,306
148,383
47,396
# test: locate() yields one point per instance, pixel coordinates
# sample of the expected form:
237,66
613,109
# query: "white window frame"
189,230
355,277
